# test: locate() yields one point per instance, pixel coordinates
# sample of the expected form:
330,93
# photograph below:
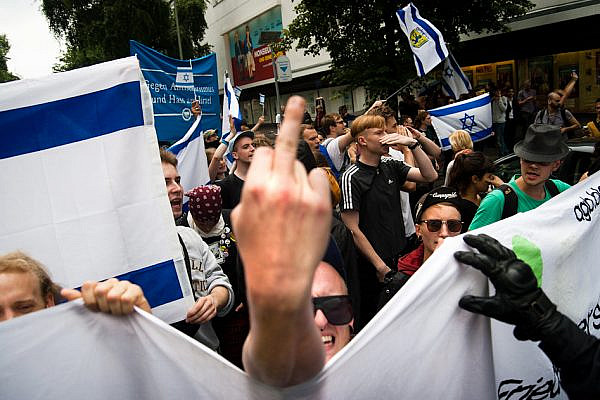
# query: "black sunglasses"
337,309
434,225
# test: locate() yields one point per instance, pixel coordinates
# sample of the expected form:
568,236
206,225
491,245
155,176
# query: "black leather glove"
518,300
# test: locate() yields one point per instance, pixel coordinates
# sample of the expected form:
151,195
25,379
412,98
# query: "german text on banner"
87,196
173,85
454,81
473,116
447,352
425,40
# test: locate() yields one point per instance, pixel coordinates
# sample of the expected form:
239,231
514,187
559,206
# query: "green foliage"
5,76
366,44
96,31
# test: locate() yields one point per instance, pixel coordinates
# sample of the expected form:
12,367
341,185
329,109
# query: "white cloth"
409,223
446,352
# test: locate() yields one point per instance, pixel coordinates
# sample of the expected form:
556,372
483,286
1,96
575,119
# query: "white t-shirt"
333,149
409,223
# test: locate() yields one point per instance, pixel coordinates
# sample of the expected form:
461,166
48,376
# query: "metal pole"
177,27
278,110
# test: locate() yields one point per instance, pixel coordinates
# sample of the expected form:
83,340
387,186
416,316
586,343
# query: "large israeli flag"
454,81
472,115
426,41
191,158
82,184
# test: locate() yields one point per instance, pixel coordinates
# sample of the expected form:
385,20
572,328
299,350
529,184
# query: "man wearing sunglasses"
332,308
540,153
438,217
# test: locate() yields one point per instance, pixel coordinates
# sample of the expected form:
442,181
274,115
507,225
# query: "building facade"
543,46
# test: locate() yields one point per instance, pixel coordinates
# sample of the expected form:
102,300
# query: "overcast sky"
34,50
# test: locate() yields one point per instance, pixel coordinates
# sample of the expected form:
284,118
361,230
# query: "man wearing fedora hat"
540,153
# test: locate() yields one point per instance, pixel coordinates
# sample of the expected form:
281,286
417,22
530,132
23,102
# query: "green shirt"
490,209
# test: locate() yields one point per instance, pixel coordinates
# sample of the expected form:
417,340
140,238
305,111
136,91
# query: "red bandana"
205,203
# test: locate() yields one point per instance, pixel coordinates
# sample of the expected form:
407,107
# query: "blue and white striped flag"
191,158
184,77
472,115
231,106
454,81
87,194
426,41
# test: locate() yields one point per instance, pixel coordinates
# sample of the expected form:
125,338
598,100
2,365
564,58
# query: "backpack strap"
551,188
563,114
186,259
511,202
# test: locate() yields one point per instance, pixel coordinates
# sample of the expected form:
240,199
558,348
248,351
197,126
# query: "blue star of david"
468,125
186,77
448,72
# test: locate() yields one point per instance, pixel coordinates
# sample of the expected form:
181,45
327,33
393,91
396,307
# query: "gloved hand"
518,300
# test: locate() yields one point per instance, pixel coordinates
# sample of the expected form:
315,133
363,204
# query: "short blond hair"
460,140
364,122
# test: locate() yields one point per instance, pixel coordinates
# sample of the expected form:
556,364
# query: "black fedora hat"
542,143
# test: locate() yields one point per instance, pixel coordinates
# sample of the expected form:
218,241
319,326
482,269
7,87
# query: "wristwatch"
414,145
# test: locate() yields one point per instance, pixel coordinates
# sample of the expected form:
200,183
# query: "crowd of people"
296,247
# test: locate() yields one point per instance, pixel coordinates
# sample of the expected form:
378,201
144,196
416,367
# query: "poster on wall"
250,54
564,77
504,75
540,74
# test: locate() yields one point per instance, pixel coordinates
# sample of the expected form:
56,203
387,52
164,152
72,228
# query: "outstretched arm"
569,88
213,167
282,225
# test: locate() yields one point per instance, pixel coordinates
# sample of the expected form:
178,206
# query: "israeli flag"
426,41
261,99
472,115
83,189
454,81
231,106
192,164
184,77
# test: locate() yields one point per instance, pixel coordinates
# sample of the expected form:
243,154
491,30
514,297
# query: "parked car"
575,164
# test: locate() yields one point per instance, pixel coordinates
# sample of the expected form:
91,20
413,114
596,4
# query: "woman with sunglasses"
438,215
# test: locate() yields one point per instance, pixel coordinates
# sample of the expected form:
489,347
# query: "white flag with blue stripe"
184,77
454,81
231,107
426,41
472,115
83,189
192,164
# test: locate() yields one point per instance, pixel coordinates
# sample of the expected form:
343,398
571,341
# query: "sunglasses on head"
434,225
337,309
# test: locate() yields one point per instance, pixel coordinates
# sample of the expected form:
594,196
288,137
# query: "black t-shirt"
467,212
231,190
375,193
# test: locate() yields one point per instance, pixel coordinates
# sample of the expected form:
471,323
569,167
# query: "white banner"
83,190
420,346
